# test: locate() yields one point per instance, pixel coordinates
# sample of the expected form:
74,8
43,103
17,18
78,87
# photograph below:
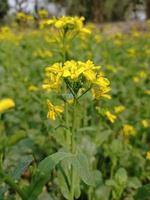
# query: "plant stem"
73,149
73,128
112,168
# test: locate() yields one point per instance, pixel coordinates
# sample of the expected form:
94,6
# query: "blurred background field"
113,134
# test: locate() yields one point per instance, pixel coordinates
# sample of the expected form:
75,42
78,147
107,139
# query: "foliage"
3,8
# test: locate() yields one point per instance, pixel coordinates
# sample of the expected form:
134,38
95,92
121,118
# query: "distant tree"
147,4
98,10
3,8
102,10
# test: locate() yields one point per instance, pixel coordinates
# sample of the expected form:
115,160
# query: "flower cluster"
43,13
23,17
6,34
67,23
128,130
79,76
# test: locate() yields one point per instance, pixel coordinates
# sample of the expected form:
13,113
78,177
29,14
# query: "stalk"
73,148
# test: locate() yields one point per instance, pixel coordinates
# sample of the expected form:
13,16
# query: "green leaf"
63,185
12,140
143,193
44,196
87,176
121,176
116,147
22,166
102,137
65,179
134,183
42,174
103,193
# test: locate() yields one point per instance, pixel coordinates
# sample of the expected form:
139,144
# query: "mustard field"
74,111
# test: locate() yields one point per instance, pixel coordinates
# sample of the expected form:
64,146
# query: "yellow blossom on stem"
53,111
6,104
111,117
148,155
128,130
32,88
145,123
43,13
119,109
147,92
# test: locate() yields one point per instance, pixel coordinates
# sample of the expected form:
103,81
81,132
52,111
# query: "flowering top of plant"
7,34
24,17
79,77
43,13
67,23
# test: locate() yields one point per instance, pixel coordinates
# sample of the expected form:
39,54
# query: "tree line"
93,10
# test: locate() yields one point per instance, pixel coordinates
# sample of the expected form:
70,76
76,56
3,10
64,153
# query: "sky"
29,6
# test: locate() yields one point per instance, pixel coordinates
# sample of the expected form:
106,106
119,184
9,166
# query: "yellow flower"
72,69
128,130
132,52
101,92
145,123
147,92
111,117
86,74
117,42
148,155
85,30
136,79
21,16
32,88
68,23
5,104
147,52
88,69
53,77
136,34
119,109
142,74
53,111
98,38
101,87
53,82
43,13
